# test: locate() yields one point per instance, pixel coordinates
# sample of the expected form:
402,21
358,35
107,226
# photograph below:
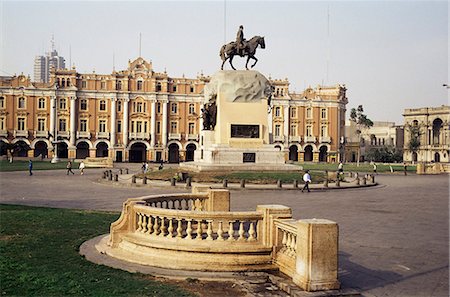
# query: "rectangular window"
83,84
158,127
323,131
139,126
2,124
41,103
83,125
2,102
62,125
277,130
293,112
174,88
191,89
102,105
277,111
103,85
293,131
118,85
62,103
139,85
119,106
309,113
158,108
158,87
21,124
174,108
309,131
139,107
83,104
119,126
191,128
191,108
173,127
41,125
323,113
102,126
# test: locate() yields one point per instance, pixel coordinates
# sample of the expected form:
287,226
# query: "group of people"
68,167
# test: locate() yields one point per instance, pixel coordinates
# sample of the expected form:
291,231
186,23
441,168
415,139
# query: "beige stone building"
434,134
138,114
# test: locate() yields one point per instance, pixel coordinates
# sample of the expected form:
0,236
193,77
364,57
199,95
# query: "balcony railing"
138,135
4,133
65,134
84,134
192,137
40,134
102,135
325,139
278,138
310,139
174,136
20,133
295,138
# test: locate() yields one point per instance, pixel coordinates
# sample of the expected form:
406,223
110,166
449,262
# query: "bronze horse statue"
229,50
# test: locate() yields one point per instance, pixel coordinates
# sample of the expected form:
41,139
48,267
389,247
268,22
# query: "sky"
390,55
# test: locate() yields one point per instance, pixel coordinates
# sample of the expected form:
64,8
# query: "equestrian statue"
242,48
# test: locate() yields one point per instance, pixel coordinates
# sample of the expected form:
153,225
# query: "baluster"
209,231
149,225
180,206
170,229
231,232
220,232
163,227
156,226
288,243
189,229
186,205
293,245
144,223
139,222
241,231
179,229
199,230
251,233
283,242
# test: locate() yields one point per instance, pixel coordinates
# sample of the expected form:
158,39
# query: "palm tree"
362,122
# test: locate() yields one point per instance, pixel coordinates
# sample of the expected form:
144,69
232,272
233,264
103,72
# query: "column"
113,123
153,125
286,125
125,123
164,124
270,124
53,116
72,121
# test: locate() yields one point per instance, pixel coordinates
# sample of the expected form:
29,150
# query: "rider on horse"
240,41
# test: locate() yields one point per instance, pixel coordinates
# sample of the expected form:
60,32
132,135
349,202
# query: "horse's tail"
222,52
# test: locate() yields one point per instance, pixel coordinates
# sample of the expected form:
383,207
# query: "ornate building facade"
138,114
429,126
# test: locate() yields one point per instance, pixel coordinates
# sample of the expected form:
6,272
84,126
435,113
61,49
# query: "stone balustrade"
198,231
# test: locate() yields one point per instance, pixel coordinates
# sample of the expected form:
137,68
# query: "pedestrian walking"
374,168
145,167
161,165
69,168
307,180
340,167
30,167
81,167
405,168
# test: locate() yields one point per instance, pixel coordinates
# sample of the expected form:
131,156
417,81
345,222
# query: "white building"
43,64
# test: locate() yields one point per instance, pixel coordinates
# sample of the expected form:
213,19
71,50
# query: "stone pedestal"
240,138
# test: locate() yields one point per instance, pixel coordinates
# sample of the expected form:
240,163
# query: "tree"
414,138
362,122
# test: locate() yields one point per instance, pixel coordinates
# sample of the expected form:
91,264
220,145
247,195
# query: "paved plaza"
394,238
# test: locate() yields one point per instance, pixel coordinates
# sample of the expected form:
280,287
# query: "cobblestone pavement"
394,238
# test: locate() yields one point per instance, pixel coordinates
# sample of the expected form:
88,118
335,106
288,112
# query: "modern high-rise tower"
43,64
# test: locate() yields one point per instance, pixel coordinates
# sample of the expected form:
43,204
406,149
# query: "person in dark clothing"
30,167
69,168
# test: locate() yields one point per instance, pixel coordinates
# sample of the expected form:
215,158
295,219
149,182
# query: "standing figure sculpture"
242,48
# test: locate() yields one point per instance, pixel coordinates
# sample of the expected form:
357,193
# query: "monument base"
201,167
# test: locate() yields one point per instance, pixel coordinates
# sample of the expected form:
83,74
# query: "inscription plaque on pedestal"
249,157
245,131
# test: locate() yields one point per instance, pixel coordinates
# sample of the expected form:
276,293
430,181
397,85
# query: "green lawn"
363,167
39,256
21,165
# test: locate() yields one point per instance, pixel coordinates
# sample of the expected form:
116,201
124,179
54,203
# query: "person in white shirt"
307,180
81,167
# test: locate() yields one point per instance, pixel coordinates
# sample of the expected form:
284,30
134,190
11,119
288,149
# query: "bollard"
225,183
373,178
104,174
110,172
110,177
357,181
279,183
173,182
126,170
144,180
242,183
116,177
120,170
338,182
364,180
188,182
295,184
133,179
